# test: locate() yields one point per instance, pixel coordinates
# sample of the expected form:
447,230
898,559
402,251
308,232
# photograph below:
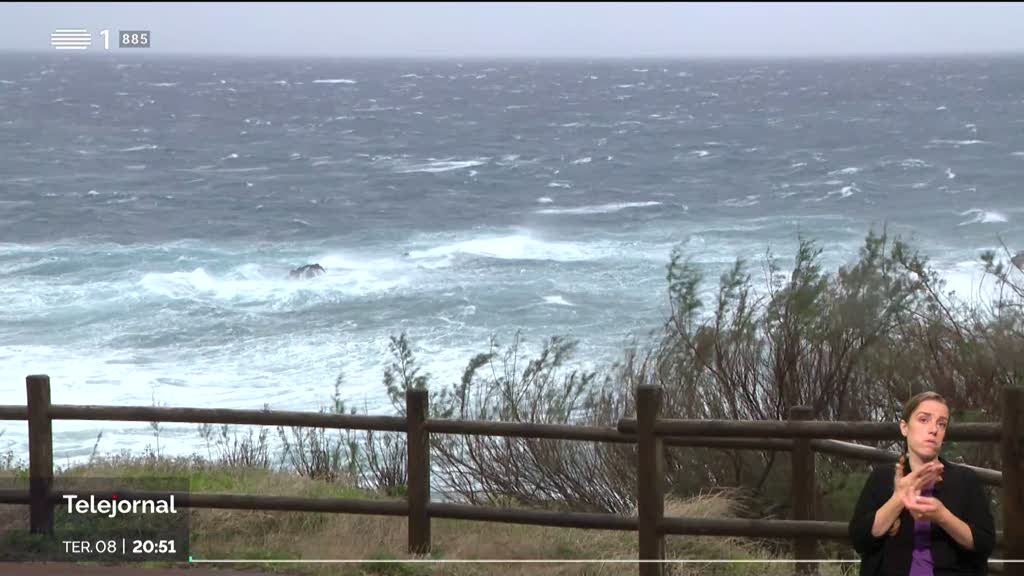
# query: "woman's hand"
912,484
926,508
895,528
907,489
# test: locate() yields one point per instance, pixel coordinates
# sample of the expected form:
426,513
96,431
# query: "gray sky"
532,30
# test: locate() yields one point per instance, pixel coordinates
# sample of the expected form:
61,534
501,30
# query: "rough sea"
151,209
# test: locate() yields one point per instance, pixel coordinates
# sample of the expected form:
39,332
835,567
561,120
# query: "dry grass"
237,534
231,534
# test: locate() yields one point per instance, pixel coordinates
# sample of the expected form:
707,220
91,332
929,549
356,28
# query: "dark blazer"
961,492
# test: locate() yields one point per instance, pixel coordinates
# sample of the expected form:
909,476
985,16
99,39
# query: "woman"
929,518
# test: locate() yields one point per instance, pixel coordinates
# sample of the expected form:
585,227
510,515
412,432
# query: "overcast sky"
532,30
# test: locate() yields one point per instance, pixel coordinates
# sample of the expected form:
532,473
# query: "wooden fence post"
804,491
40,454
418,493
650,481
1013,480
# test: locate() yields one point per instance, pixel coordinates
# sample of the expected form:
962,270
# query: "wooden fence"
798,435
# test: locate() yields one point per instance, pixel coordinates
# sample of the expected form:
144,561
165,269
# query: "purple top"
921,559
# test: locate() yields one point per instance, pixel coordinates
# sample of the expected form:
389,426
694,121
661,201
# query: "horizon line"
704,57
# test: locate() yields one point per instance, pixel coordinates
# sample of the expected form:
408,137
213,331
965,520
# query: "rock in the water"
307,271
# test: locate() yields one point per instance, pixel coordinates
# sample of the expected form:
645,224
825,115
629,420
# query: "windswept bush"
853,344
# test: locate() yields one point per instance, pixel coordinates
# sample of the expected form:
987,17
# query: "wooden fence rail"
799,435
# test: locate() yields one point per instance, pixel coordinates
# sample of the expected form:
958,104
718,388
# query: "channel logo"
70,39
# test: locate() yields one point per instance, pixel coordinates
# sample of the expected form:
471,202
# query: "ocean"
152,207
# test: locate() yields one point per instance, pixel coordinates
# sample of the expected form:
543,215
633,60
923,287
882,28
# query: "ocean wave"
522,246
261,284
849,170
435,166
584,160
557,300
558,184
139,148
334,81
845,191
599,208
240,170
958,142
914,163
751,200
544,200
981,216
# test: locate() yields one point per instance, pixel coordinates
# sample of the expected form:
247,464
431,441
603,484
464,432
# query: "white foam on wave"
950,174
847,191
521,246
258,284
844,192
559,184
557,300
701,153
958,142
434,166
241,170
600,208
967,278
584,160
751,200
241,374
914,163
848,170
139,148
980,216
544,200
334,81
